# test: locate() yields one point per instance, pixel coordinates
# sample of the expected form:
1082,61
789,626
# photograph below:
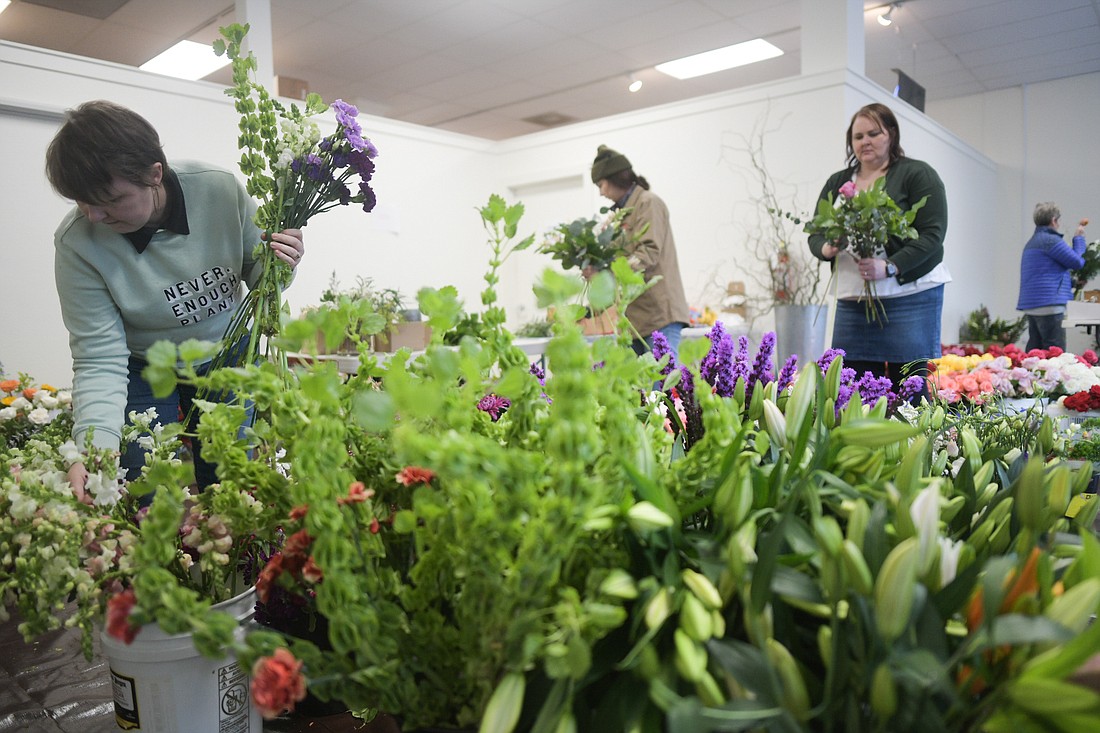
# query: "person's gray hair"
1045,213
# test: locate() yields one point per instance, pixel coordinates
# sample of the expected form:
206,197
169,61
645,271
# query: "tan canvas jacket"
654,254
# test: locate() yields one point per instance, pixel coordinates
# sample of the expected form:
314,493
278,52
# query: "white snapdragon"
105,492
64,398
8,413
70,454
43,398
22,506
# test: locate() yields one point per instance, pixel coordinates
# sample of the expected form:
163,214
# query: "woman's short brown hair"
884,117
99,141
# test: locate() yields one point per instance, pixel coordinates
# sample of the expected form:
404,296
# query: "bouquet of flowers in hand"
295,173
591,243
860,223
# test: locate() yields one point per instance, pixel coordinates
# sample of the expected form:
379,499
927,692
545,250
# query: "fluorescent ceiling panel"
186,60
720,59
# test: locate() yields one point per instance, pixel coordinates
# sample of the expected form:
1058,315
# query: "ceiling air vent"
550,119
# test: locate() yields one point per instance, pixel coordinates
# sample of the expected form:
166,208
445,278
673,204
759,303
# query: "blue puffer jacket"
1045,266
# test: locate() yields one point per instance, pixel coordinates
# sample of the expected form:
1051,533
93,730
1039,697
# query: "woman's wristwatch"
891,269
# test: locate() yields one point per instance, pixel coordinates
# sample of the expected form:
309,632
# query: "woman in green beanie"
663,307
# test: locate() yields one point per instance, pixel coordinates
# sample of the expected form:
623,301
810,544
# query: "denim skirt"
909,330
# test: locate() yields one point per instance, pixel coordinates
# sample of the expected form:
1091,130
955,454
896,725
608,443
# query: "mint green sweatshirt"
117,302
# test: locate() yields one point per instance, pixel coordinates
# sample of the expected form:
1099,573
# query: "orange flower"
312,572
271,572
299,512
118,616
28,393
357,494
9,385
277,683
1024,584
410,475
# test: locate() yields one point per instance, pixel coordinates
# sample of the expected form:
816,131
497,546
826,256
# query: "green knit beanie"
608,162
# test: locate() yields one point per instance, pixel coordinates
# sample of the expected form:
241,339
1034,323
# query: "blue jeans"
170,409
1046,331
671,332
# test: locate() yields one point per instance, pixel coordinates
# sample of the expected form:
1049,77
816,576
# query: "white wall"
426,230
1043,139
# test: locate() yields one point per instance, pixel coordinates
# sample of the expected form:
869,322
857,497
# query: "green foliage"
1084,274
979,327
584,243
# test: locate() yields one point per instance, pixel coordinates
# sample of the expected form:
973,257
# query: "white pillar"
832,36
257,13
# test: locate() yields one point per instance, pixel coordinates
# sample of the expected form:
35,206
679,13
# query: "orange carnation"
410,475
277,683
9,385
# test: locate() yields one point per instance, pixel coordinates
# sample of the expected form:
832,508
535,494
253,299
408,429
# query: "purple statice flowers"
326,177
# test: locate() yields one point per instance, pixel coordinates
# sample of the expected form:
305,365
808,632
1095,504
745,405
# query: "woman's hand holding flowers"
288,245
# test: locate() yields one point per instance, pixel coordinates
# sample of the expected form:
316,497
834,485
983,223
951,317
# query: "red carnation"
118,616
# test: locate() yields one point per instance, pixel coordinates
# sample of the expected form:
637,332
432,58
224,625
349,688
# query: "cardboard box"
1091,296
600,324
414,335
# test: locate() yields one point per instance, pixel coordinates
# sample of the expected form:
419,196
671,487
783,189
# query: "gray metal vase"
800,329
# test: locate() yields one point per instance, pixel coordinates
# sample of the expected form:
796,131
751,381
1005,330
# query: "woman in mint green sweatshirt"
149,252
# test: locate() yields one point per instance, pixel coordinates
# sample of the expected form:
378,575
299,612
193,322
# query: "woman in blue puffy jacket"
1045,280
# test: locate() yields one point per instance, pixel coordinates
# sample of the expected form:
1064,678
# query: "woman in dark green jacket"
908,275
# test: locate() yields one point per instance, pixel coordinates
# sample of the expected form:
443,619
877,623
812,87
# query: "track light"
635,84
885,19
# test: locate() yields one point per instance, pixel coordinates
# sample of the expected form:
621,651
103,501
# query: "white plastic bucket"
163,685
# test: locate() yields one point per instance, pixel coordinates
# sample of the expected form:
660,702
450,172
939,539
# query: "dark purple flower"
340,159
599,365
369,199
660,349
786,374
539,372
315,167
740,366
325,144
708,369
344,194
687,384
361,164
871,388
494,405
762,367
827,358
725,380
844,395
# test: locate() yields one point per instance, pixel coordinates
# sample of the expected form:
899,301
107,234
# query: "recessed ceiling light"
635,83
720,59
186,60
